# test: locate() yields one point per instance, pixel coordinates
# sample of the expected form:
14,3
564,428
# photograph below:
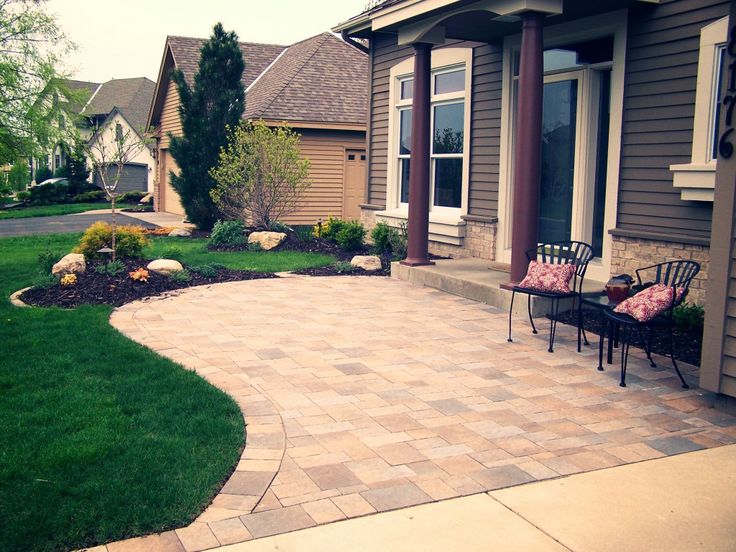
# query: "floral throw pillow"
648,303
551,278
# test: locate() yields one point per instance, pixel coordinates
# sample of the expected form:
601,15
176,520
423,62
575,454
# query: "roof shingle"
131,96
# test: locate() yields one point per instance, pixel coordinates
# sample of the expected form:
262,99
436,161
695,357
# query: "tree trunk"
114,227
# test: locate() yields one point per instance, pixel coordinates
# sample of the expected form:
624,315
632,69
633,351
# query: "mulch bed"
103,289
688,345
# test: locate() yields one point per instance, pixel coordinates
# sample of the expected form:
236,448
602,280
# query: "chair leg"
674,362
529,310
511,310
625,335
553,324
581,325
647,345
605,324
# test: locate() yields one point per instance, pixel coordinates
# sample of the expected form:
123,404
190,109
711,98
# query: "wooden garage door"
133,179
354,184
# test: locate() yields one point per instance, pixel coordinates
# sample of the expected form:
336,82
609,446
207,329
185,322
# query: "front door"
353,184
559,133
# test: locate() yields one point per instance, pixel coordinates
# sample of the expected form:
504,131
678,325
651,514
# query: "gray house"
625,94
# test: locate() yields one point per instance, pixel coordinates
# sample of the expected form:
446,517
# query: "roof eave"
355,24
152,111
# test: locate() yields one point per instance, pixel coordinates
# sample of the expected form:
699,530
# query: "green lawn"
51,210
101,438
191,251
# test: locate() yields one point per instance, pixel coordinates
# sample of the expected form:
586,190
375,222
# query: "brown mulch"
103,289
688,344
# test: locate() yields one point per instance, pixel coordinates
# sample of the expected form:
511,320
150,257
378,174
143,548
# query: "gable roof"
321,79
131,96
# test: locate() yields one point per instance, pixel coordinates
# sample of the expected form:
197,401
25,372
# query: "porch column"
418,225
528,153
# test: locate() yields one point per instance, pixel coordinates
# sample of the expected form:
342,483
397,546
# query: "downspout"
350,40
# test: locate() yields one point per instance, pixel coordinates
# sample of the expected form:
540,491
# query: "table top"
599,301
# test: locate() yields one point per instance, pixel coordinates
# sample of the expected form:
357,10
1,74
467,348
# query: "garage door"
133,179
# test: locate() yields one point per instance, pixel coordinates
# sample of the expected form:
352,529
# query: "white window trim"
444,222
697,179
615,24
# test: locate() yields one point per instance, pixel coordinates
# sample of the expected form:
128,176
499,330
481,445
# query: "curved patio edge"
265,433
15,299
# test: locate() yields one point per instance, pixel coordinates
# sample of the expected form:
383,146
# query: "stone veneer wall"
479,241
632,253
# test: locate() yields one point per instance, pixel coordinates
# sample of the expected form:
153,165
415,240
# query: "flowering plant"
139,275
68,280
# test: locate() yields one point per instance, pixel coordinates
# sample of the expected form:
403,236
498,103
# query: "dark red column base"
416,262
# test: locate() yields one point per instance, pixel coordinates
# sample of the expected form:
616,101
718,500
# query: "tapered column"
528,149
418,226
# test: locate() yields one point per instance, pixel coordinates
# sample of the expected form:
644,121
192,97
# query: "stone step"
478,280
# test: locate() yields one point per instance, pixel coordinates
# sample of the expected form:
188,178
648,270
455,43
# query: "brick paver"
369,394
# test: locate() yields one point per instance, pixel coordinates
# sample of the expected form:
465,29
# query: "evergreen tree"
214,103
77,170
43,173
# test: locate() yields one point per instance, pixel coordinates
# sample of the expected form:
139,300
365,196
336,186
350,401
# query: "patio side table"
601,303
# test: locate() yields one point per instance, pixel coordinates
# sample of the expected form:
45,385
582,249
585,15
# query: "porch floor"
475,279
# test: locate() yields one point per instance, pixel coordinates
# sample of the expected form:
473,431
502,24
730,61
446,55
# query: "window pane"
407,89
405,132
404,167
577,55
448,128
454,81
716,106
448,182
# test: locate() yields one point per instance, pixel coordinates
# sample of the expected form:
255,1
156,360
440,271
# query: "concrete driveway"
62,223
364,395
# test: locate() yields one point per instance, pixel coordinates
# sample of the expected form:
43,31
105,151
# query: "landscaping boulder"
73,263
165,266
366,262
180,233
267,240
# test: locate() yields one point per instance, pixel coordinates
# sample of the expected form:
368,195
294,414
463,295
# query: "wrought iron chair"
562,252
676,274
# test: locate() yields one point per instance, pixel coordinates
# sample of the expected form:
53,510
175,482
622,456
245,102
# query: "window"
449,121
696,180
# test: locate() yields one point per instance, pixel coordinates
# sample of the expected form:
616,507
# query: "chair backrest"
678,274
565,252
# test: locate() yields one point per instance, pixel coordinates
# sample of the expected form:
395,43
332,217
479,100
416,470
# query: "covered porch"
550,153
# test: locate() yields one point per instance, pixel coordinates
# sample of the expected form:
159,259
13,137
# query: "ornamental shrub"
227,233
328,229
351,235
180,276
381,237
689,317
94,195
49,193
130,241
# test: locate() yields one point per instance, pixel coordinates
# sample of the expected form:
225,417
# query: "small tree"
216,101
77,170
19,176
261,176
109,151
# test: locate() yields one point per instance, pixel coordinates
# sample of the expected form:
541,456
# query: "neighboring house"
628,126
317,86
118,101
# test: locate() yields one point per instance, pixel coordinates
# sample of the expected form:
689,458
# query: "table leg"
612,331
604,330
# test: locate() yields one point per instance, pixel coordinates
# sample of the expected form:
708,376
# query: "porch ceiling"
479,23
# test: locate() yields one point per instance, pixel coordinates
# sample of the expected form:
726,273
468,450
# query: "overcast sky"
125,38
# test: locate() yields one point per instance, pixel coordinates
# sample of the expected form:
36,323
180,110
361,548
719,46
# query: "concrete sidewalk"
685,502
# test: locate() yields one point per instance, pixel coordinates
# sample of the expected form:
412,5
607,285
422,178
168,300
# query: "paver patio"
366,394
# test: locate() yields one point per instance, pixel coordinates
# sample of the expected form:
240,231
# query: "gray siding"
485,123
659,106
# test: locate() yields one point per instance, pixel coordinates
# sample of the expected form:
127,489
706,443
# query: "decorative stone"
73,263
180,233
267,240
165,266
366,262
146,199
